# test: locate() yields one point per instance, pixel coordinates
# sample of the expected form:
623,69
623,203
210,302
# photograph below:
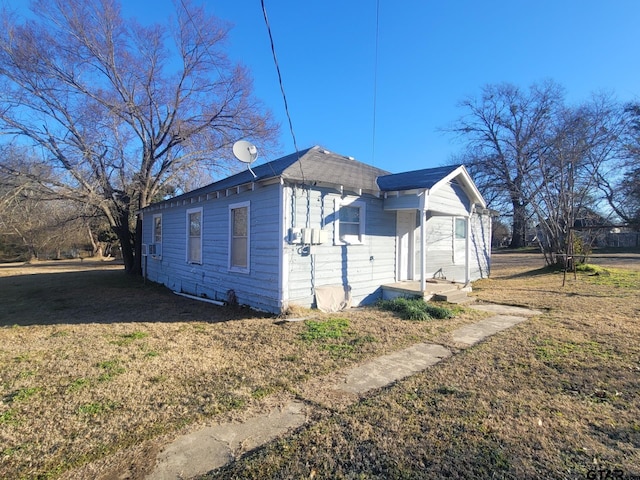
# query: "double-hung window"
157,228
239,237
350,222
194,235
156,246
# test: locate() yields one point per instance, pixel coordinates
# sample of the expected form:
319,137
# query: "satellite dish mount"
245,152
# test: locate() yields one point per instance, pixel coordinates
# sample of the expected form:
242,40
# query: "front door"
405,228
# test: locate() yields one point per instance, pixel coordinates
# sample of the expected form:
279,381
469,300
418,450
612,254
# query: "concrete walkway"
213,447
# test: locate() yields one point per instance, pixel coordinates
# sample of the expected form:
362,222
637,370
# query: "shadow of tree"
100,296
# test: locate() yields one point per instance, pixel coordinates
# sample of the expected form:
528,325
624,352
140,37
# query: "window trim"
458,240
455,228
350,239
154,236
189,212
234,268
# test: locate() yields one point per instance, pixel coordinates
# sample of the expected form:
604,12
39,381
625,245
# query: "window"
350,221
461,228
459,240
157,228
194,235
239,237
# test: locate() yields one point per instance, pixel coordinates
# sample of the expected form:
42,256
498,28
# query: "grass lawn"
98,370
555,397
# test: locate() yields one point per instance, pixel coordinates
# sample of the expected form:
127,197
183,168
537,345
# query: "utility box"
306,236
319,236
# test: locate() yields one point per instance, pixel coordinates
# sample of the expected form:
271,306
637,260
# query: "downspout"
283,254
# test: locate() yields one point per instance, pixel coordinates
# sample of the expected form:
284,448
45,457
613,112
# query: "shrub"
414,309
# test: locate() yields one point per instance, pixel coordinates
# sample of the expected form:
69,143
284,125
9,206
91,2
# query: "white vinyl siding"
194,235
239,237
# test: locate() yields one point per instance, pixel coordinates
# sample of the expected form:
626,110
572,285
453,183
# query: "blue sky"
431,55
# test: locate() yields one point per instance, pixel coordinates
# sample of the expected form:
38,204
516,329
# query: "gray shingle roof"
316,166
320,166
425,178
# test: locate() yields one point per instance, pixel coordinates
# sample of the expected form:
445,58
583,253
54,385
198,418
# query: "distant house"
313,221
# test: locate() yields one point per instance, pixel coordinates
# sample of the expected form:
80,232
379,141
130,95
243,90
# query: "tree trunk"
96,248
124,235
519,226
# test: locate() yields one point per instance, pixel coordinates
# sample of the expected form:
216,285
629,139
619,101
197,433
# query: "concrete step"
454,296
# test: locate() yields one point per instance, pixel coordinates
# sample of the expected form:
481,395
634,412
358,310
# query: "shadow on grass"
536,272
101,296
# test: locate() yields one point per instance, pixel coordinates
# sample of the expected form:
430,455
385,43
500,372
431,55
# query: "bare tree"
121,111
502,131
32,220
581,144
620,184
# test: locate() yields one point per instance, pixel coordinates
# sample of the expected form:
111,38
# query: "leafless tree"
581,144
120,111
620,184
32,220
502,131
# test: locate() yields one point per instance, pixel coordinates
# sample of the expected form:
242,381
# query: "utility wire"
284,96
375,86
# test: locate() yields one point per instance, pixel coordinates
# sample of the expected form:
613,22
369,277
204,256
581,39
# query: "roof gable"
431,179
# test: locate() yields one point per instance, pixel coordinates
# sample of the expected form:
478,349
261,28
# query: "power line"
284,96
375,86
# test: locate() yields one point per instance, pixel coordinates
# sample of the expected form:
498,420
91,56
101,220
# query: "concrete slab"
505,309
389,368
213,447
472,334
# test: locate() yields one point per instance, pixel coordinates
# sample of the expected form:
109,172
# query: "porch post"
424,202
467,248
423,256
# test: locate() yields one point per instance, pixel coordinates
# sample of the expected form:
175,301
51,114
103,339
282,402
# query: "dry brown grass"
556,397
98,370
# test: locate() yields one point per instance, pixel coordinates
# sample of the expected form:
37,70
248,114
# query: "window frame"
154,234
237,268
359,239
456,239
460,221
189,212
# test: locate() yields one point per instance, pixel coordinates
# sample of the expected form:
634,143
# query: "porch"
442,290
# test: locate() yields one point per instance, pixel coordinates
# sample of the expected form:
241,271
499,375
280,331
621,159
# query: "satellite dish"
246,152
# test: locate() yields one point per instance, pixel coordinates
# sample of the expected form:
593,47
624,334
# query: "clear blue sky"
431,54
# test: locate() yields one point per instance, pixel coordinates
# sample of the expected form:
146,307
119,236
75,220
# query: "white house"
314,220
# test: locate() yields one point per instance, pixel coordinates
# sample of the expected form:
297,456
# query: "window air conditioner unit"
155,249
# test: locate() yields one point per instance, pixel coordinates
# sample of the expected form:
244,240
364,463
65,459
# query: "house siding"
480,258
364,268
442,261
212,279
450,199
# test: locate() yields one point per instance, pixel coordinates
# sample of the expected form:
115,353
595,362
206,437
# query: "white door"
405,228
